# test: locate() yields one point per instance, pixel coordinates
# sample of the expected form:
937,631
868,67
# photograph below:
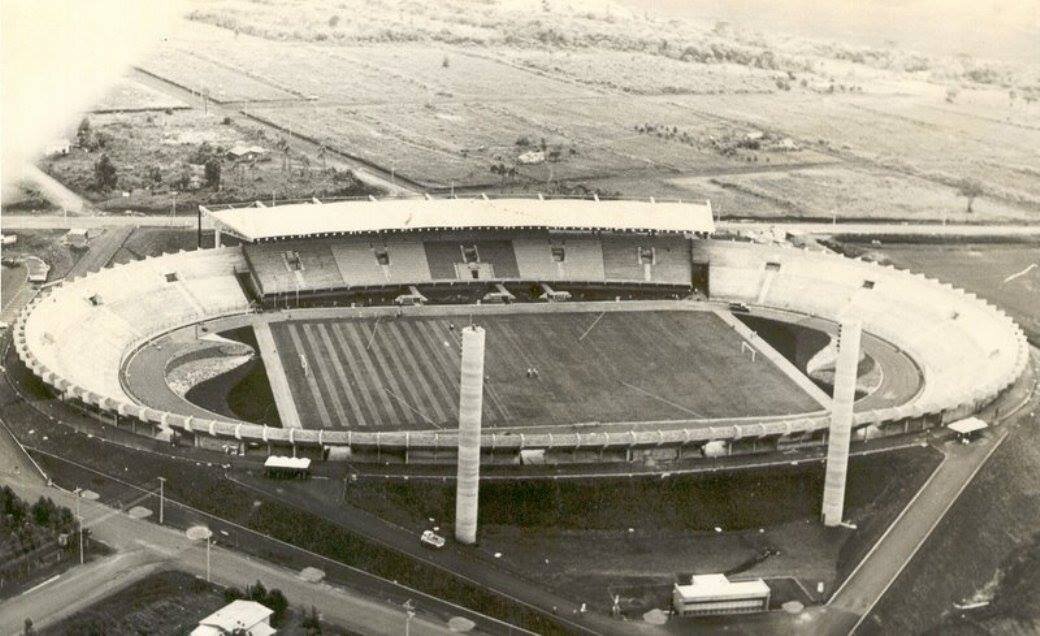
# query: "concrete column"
471,397
841,422
216,237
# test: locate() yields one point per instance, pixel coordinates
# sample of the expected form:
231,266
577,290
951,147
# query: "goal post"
748,350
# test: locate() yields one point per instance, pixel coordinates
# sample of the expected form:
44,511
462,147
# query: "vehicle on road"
431,539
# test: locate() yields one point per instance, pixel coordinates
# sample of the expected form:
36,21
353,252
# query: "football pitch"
403,372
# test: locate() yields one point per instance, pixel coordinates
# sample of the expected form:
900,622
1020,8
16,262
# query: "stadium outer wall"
969,353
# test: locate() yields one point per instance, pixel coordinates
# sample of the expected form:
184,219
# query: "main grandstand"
610,333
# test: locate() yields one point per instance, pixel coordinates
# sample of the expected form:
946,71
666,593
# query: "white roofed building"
343,218
714,594
238,617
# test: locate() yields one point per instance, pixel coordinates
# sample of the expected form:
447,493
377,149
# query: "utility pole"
162,482
79,522
409,609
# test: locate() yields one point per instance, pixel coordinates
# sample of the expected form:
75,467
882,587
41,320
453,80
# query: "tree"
257,592
970,188
105,173
29,629
212,174
277,602
83,133
43,512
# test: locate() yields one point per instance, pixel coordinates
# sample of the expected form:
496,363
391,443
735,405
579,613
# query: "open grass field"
585,538
643,74
905,134
440,95
218,80
632,366
128,95
849,192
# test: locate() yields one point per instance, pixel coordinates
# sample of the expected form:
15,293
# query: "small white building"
57,147
76,237
238,617
242,152
531,157
714,594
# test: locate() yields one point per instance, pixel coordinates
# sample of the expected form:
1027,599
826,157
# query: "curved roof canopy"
404,215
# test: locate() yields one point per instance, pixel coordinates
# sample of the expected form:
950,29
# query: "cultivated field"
620,103
630,367
643,74
857,193
128,95
215,79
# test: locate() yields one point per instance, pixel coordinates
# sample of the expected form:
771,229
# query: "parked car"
432,539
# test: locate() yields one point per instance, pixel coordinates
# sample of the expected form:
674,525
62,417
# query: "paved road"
55,192
14,222
141,546
901,229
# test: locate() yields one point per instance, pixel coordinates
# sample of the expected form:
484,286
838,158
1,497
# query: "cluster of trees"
89,139
272,599
21,522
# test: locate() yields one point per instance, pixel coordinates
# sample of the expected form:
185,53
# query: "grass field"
631,366
846,191
129,95
586,537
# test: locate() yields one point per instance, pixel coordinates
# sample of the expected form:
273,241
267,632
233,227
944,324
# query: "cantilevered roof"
399,215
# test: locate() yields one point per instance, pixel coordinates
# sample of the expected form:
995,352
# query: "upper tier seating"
966,348
83,328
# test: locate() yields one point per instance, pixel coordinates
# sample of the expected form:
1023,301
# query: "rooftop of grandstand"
403,215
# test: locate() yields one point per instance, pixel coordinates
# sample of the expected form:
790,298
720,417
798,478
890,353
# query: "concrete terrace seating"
289,266
82,329
968,350
582,258
76,336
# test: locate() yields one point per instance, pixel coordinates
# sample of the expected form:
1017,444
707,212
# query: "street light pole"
409,609
79,522
207,559
162,483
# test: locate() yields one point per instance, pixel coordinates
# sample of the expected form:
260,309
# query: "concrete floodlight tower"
840,433
471,402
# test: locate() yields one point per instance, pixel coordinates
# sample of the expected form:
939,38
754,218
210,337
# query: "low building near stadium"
238,617
287,467
714,594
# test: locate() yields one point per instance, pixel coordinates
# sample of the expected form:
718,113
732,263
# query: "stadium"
617,331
